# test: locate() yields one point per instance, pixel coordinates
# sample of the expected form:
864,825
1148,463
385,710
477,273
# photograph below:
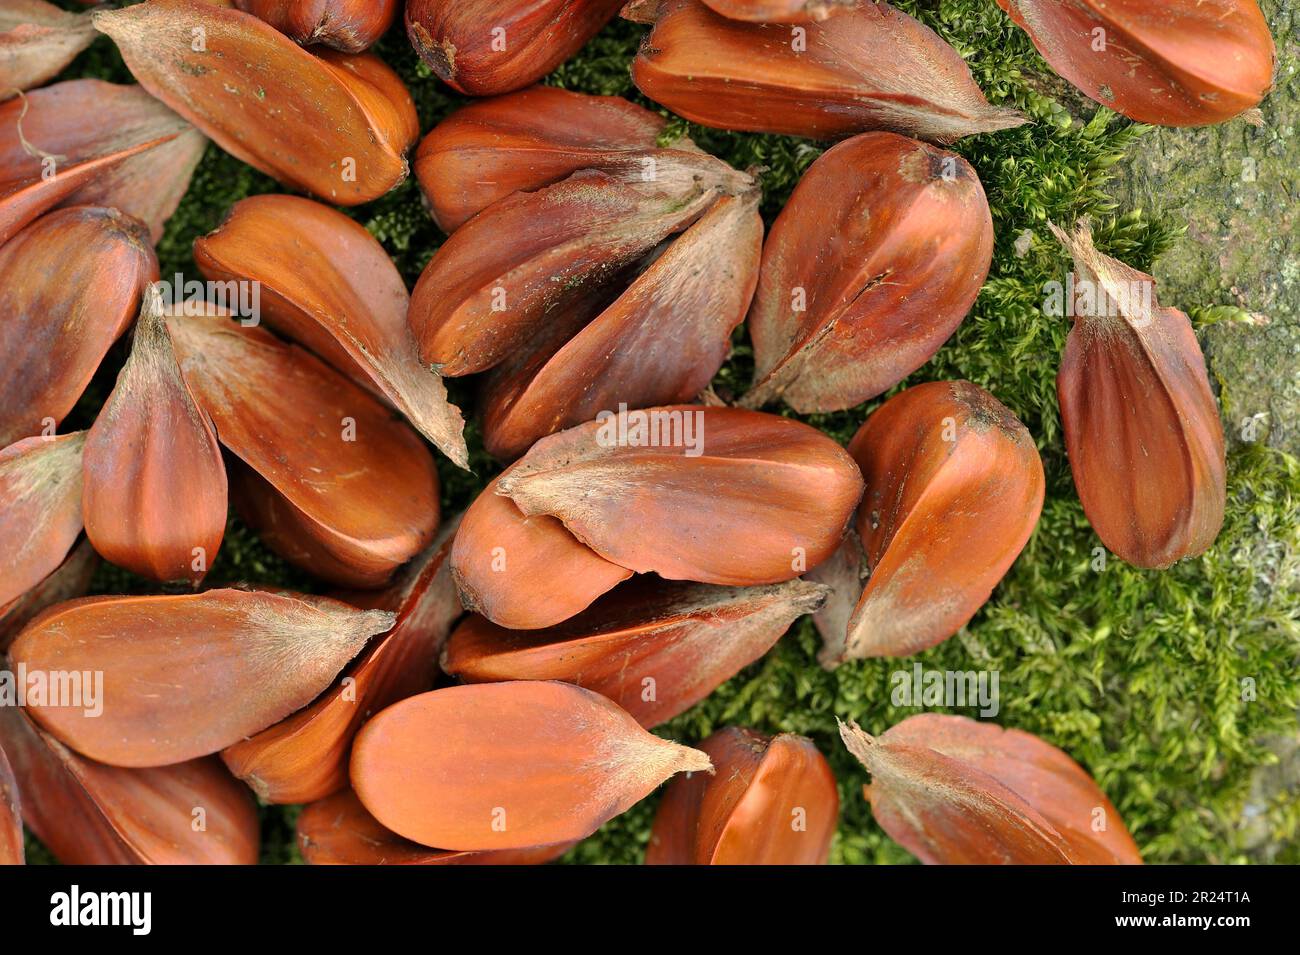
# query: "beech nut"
1215,64
955,791
868,67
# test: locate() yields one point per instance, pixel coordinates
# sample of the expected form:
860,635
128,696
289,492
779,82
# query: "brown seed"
508,765
524,573
381,91
770,801
487,47
660,343
305,757
347,25
338,831
1167,62
37,40
951,790
843,573
780,11
154,493
70,579
40,509
871,67
188,675
656,648
11,818
536,137
1141,425
327,283
954,490
72,284
87,813
336,125
331,480
502,276
871,266
733,497
137,157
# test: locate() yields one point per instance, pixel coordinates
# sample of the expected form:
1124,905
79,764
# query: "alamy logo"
658,428
236,297
64,688
74,907
921,687
1084,298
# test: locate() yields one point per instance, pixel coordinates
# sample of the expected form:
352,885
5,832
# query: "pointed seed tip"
376,621
694,761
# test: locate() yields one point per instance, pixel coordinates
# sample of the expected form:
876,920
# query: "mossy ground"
1138,675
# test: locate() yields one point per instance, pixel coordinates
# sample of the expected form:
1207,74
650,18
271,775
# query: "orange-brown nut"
154,493
487,47
770,801
72,286
347,25
954,488
654,647
871,67
186,676
871,266
508,765
87,813
1166,62
1141,424
954,791
337,125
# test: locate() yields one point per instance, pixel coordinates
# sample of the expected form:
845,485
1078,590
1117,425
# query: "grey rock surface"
1235,189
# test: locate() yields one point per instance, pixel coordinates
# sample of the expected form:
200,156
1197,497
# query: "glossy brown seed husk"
188,675
154,493
536,137
735,497
339,831
326,282
305,757
1141,424
336,125
525,572
872,67
661,342
137,157
780,11
532,257
86,813
325,473
654,647
347,25
40,509
1170,63
954,488
70,579
508,765
770,801
37,40
954,791
72,285
11,817
488,47
871,266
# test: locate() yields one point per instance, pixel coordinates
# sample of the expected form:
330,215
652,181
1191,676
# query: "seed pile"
646,540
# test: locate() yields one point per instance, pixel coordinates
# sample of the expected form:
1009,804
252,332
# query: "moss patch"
1138,675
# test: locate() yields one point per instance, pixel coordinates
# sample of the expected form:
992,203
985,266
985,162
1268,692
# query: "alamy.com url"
1203,922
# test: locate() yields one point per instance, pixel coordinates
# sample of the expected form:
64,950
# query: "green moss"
1138,675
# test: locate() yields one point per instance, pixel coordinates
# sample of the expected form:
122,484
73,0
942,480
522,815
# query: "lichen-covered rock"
1233,187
